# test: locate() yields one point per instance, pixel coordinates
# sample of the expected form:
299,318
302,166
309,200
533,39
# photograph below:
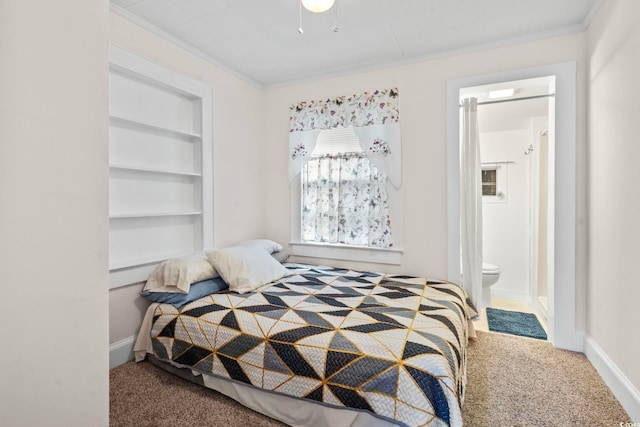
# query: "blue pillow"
196,291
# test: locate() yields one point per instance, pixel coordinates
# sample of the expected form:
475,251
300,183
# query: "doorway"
516,133
561,308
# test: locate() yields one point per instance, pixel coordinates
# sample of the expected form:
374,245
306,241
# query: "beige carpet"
515,381
512,381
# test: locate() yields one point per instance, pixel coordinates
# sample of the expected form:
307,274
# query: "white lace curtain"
345,201
374,117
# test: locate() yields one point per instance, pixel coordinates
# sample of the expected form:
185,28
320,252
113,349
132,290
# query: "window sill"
346,252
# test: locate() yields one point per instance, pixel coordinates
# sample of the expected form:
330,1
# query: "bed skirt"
289,410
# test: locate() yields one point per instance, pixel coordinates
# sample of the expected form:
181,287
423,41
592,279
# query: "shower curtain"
471,202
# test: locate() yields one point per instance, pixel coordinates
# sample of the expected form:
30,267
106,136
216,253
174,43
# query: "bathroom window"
489,183
494,182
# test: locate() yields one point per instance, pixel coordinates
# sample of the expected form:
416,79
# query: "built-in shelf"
146,260
152,214
154,170
161,168
147,127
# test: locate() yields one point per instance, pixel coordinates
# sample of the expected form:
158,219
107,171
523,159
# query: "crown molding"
146,25
572,29
591,14
565,31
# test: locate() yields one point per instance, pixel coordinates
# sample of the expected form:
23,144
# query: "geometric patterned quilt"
389,344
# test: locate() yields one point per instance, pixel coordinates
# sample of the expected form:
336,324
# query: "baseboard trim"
121,351
510,295
542,309
626,393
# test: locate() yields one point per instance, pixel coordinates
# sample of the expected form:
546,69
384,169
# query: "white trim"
541,309
206,105
391,256
454,266
621,387
572,29
510,295
562,313
121,352
591,14
124,61
146,25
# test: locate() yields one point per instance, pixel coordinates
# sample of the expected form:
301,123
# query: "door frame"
562,309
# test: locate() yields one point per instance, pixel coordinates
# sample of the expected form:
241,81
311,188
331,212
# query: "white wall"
423,116
505,222
614,199
238,157
53,215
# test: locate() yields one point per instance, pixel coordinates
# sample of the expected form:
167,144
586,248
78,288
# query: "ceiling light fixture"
317,6
502,93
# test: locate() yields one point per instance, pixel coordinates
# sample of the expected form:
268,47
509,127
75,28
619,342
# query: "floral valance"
374,116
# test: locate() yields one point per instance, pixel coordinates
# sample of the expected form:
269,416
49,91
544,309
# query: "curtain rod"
524,98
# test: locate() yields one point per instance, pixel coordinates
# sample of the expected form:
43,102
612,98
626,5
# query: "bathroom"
515,136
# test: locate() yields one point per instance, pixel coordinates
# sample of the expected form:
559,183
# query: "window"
344,196
489,183
345,154
494,182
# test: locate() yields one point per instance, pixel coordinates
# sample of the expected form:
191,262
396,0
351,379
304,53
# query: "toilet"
490,275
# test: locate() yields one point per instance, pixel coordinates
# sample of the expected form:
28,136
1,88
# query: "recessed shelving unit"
160,162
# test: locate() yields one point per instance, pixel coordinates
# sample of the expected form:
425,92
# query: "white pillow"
266,244
177,274
246,268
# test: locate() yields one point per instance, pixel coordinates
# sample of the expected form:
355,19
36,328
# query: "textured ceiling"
259,40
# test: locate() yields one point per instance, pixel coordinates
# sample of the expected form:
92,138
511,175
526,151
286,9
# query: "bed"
324,346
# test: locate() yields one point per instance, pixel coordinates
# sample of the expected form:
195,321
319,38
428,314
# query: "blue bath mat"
515,323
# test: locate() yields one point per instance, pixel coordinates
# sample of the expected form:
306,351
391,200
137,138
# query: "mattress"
370,346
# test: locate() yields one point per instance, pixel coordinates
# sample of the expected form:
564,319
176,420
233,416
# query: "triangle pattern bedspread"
391,345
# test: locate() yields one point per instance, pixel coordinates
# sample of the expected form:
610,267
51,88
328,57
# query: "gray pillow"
280,256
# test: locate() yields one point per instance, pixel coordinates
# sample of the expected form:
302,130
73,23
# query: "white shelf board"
152,214
130,276
154,170
146,260
147,127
